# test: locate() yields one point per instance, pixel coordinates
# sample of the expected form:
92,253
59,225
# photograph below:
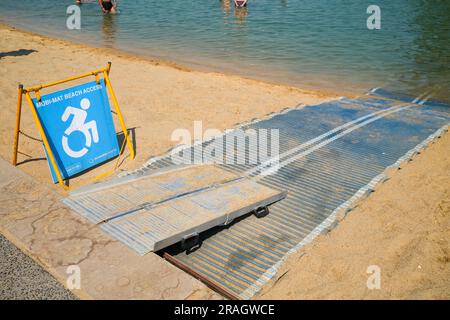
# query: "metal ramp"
154,210
332,155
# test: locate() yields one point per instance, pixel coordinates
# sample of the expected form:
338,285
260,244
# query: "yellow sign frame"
26,91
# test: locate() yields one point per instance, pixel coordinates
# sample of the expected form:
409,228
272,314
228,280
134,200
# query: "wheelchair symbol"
89,129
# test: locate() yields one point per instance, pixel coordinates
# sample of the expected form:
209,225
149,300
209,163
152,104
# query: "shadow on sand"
17,53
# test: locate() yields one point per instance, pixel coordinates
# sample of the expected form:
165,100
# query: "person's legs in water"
107,6
114,8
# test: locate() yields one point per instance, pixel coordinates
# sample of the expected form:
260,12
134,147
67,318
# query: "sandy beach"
155,97
403,227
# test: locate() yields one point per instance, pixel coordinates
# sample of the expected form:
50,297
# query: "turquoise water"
312,43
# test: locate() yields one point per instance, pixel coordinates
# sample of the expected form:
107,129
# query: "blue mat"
332,155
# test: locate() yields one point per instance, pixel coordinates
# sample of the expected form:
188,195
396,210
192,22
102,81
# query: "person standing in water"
107,6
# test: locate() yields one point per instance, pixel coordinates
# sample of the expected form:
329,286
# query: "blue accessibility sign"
79,127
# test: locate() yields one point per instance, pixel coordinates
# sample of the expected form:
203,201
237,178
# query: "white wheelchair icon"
89,129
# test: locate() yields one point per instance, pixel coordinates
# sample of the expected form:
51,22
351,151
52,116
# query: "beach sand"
155,97
403,227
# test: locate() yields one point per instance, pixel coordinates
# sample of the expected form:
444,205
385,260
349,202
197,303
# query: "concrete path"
33,217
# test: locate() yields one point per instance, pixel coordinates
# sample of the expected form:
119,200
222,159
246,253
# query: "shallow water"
312,43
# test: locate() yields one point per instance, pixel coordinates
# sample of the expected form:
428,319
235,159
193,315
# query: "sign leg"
17,128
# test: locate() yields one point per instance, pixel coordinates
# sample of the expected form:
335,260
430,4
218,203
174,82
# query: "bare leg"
114,7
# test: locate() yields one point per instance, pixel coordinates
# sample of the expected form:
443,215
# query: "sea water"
310,43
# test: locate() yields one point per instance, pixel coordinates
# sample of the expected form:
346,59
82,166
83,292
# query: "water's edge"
184,65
